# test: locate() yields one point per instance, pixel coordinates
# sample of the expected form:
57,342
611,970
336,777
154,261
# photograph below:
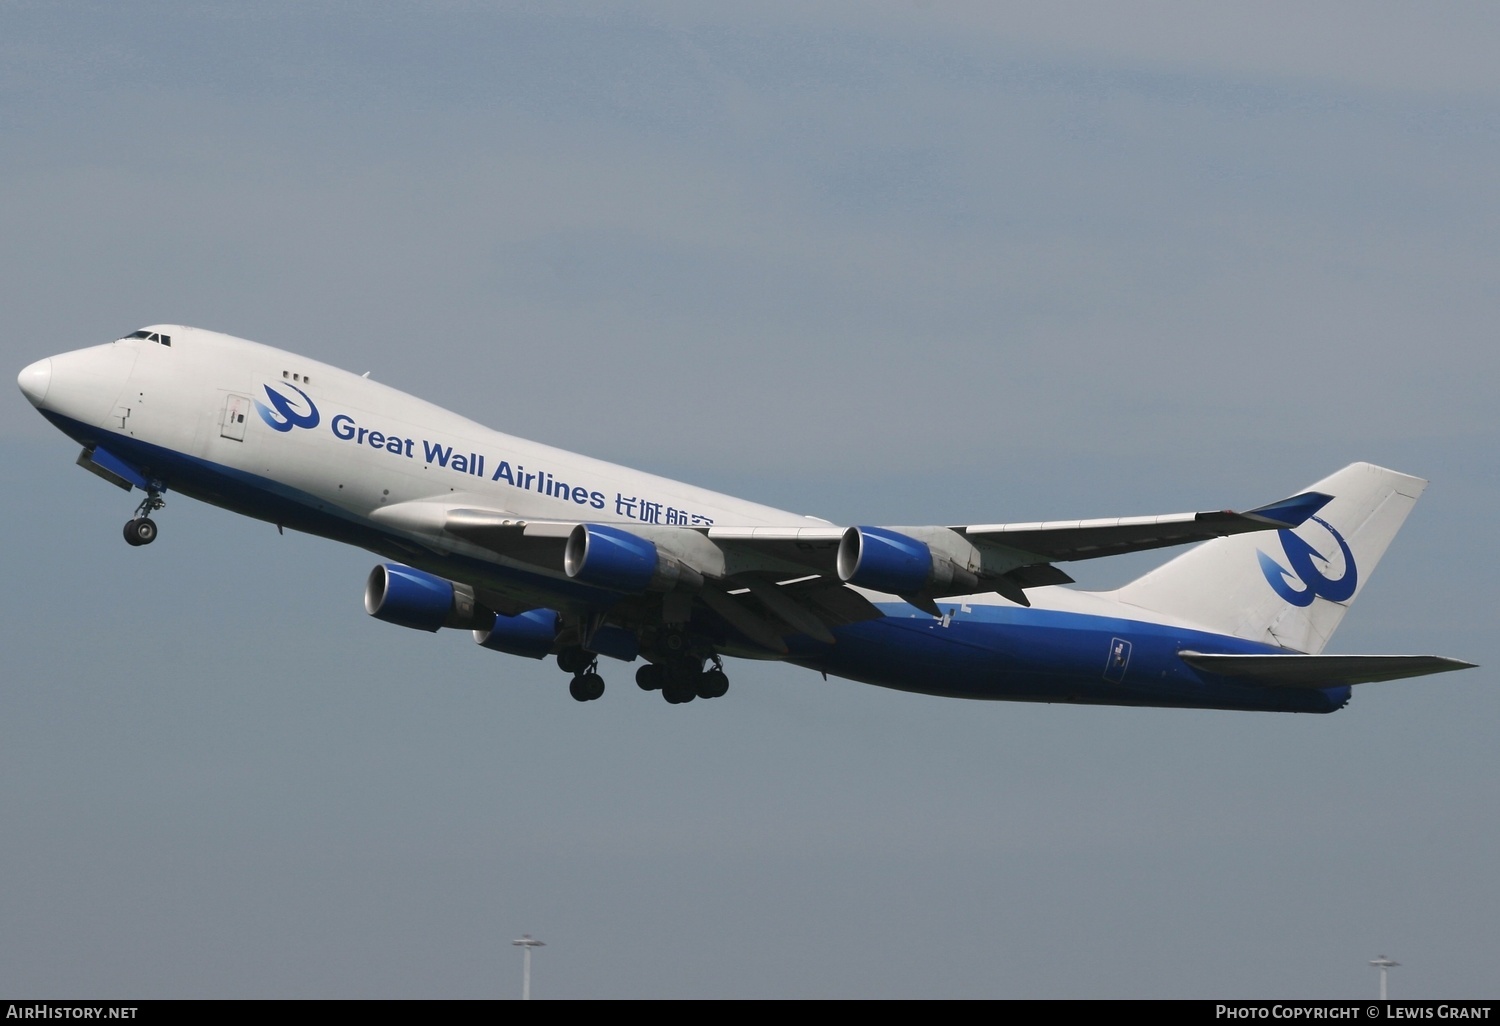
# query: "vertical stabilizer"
1289,588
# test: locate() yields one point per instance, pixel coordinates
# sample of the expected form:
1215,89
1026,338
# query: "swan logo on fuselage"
1299,556
283,416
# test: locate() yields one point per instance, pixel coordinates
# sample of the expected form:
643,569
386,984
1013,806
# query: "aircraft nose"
34,381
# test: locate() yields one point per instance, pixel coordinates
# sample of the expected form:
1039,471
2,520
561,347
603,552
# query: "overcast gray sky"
921,262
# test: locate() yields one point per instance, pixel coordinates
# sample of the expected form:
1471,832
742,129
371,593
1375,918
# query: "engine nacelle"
613,558
884,560
531,634
412,598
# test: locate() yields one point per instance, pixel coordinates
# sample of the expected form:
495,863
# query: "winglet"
1290,512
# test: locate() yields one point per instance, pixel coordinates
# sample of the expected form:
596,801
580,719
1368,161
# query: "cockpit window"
151,336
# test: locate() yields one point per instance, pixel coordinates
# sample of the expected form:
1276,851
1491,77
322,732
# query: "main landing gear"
141,530
586,685
682,680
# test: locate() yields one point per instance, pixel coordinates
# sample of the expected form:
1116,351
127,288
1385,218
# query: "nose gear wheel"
141,529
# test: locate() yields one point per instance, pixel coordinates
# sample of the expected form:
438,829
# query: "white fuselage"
286,439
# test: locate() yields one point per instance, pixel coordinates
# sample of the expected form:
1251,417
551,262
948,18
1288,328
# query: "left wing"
1061,541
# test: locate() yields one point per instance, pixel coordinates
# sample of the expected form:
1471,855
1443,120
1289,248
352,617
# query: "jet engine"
611,558
531,634
884,560
412,598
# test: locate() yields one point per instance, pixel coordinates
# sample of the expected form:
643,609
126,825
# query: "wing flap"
837,604
1294,670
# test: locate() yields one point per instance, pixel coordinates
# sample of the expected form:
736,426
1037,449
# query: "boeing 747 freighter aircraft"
543,552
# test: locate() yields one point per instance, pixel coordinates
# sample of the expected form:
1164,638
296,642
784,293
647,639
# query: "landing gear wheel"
595,685
586,687
713,684
140,531
650,677
574,660
677,694
680,681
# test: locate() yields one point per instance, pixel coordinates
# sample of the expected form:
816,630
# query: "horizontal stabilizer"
1319,671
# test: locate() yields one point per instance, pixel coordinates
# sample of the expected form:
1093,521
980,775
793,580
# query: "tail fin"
1291,588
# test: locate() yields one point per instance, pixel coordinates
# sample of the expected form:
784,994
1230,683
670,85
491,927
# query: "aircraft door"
236,409
1119,660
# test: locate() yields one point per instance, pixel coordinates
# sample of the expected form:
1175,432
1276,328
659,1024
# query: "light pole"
526,943
1384,965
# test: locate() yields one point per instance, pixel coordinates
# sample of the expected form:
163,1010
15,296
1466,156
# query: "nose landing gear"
141,530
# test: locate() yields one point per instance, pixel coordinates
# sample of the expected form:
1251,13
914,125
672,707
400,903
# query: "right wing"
771,581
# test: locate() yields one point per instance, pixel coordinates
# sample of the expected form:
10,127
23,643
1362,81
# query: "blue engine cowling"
884,560
530,634
610,558
413,598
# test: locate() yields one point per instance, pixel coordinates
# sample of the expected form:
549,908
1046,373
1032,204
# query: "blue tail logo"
1299,556
285,416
